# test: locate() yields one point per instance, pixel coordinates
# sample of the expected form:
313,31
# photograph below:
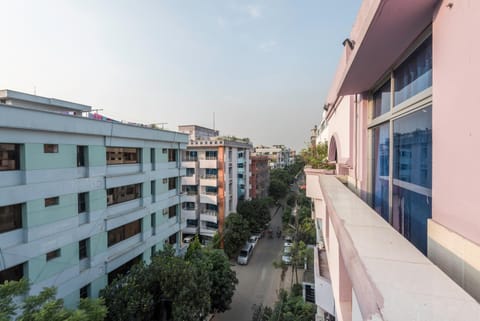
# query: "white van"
245,254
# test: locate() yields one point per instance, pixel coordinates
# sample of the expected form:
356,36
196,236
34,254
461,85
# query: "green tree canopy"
277,189
236,234
256,212
45,306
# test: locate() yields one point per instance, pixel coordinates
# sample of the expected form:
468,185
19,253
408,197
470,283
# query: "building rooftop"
19,99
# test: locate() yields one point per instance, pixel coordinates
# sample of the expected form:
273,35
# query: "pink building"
402,234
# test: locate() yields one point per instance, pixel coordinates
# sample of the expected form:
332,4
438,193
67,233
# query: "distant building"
278,155
259,176
217,177
82,199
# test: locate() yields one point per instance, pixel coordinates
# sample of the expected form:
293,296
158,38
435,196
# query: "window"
172,155
83,249
10,217
190,172
50,148
152,190
210,190
124,232
153,250
164,150
152,155
190,189
211,155
9,157
172,239
172,211
51,201
84,291
189,206
153,222
381,151
191,156
172,183
192,223
14,273
123,194
402,148
82,202
382,100
415,73
165,181
122,155
412,176
53,254
81,154
211,225
123,269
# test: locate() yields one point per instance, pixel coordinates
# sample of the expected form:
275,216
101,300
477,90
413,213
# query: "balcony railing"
211,176
375,272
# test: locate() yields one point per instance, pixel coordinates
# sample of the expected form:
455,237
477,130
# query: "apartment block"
259,176
279,156
82,198
217,178
398,229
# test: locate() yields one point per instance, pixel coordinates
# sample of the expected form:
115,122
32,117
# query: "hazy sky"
263,67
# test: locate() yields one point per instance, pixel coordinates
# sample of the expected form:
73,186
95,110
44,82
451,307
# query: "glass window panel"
415,74
381,100
381,153
412,173
412,146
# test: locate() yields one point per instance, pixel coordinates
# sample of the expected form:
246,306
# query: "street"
259,281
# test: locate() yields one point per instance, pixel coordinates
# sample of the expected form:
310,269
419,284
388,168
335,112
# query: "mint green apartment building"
82,197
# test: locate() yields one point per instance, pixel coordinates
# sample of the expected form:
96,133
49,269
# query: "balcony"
190,180
208,198
208,163
209,216
189,214
189,196
376,274
207,231
208,180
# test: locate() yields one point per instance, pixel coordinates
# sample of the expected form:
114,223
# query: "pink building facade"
401,113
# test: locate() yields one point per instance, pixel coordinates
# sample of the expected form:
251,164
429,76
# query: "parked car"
287,257
245,254
253,239
287,241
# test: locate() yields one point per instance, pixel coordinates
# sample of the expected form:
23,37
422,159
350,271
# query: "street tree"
256,212
277,189
236,234
45,306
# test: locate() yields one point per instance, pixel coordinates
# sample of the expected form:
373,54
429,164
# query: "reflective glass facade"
412,176
415,74
381,143
402,183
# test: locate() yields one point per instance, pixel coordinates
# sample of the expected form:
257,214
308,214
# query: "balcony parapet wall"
390,278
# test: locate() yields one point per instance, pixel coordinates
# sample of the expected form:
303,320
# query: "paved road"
259,281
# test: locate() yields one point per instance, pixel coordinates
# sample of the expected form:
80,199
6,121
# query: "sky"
263,68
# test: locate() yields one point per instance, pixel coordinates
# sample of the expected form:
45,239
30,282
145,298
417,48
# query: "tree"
45,306
130,297
277,189
256,212
317,157
289,307
168,288
236,234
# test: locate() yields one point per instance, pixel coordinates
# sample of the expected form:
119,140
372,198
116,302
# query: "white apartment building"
217,177
279,156
82,198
